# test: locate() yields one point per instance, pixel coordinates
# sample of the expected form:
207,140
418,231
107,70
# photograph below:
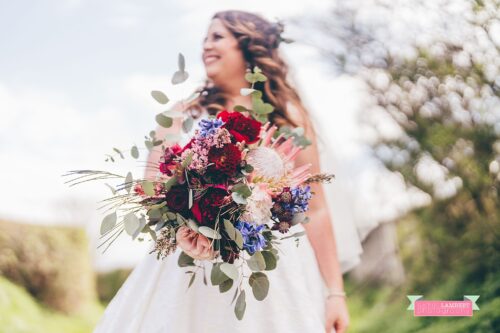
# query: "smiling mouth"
211,59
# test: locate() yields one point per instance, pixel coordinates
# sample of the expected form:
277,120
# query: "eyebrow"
213,33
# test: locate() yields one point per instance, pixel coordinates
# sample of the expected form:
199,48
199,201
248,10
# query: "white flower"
259,204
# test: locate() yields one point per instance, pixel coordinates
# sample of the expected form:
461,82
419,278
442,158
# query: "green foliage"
51,263
109,283
383,309
21,313
444,104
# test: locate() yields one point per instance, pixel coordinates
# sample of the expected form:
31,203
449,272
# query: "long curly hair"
259,40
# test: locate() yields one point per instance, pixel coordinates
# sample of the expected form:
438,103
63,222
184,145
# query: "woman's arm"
321,235
320,230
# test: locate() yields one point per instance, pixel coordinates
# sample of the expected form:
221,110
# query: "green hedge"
51,263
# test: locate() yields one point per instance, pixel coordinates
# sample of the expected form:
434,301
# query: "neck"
233,89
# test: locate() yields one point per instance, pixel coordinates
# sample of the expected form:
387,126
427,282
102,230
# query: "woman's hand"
337,315
194,244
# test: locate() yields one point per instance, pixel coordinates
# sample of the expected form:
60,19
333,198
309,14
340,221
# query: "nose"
207,44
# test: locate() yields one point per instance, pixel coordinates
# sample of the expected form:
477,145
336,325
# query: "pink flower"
259,204
194,244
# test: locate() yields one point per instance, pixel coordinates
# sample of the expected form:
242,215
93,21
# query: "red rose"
177,199
205,209
241,127
225,159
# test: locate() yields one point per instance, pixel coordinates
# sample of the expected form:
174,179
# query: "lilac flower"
209,126
253,240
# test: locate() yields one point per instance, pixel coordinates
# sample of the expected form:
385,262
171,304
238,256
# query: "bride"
306,289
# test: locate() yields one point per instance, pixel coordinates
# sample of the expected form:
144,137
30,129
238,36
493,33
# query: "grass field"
383,309
21,313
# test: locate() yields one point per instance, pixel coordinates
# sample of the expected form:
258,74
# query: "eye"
217,36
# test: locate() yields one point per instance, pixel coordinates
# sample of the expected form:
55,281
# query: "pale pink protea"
273,160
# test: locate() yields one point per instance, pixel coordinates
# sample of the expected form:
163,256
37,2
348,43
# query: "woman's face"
222,57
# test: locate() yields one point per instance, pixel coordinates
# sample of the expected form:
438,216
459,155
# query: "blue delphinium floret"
209,126
301,196
253,240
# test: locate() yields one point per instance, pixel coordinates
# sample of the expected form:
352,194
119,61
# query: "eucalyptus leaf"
187,160
131,223
192,224
242,189
239,308
298,218
119,152
173,114
270,260
260,285
190,202
154,214
163,120
225,286
181,62
171,216
160,205
257,262
134,152
238,198
209,232
230,270
113,190
128,181
246,91
230,229
159,96
179,77
240,108
192,279
169,183
239,239
160,225
148,144
153,235
108,223
250,78
149,188
187,124
185,260
217,276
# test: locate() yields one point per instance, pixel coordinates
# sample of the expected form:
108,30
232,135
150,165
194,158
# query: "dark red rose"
226,159
242,128
178,199
205,209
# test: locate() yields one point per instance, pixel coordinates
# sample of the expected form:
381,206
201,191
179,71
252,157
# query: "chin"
212,73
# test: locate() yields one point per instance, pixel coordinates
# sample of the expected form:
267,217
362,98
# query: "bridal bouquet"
225,196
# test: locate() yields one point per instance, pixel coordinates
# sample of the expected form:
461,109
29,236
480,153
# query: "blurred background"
411,93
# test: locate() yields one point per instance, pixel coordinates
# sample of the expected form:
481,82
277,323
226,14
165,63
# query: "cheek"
234,59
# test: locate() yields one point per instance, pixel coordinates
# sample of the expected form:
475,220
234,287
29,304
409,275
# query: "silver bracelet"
335,293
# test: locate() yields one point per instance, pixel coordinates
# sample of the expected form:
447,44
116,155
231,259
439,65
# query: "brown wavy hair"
259,40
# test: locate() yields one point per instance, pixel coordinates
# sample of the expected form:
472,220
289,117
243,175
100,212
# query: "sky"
75,81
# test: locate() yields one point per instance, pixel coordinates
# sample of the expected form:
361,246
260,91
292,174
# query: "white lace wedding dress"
156,299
